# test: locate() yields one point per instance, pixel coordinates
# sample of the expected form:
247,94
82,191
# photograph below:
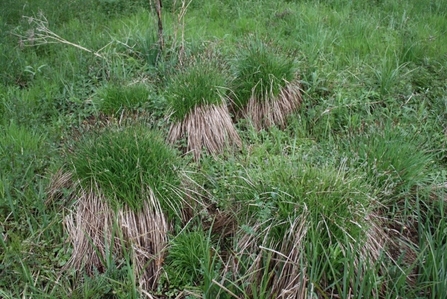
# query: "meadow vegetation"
270,149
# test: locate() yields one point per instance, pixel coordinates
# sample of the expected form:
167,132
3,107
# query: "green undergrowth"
115,99
352,190
192,263
396,161
338,189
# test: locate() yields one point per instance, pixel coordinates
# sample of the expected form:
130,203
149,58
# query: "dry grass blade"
209,127
282,272
97,231
85,227
269,110
291,280
60,181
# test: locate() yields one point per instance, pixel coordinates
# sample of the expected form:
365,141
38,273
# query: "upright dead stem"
181,25
161,42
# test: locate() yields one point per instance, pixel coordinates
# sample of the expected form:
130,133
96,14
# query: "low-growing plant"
394,161
114,99
192,262
112,283
187,251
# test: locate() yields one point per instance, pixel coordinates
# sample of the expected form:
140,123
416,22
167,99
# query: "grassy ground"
347,201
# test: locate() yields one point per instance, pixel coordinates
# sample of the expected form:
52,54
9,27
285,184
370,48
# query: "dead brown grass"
283,265
96,230
278,265
268,111
206,127
60,181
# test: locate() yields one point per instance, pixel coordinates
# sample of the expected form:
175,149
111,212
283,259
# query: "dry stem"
42,35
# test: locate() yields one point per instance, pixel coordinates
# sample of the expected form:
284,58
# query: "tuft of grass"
300,226
202,84
186,253
260,72
127,189
265,87
199,111
123,162
329,195
389,73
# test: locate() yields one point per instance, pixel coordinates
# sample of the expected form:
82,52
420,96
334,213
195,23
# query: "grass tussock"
266,89
303,225
126,161
199,111
299,230
201,84
125,197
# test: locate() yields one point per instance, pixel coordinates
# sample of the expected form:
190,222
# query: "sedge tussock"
283,266
273,110
125,192
97,232
265,86
310,231
206,127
